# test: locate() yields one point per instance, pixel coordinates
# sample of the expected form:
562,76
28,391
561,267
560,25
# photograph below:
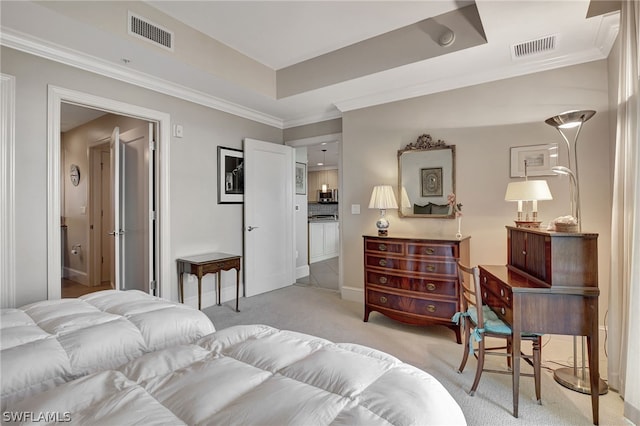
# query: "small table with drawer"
414,280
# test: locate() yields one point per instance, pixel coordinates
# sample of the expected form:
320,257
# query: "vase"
459,234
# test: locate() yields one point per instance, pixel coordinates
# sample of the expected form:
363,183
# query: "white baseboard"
75,275
302,271
209,297
353,294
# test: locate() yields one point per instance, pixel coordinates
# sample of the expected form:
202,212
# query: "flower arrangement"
455,207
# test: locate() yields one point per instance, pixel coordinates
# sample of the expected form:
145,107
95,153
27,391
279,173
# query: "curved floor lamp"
570,377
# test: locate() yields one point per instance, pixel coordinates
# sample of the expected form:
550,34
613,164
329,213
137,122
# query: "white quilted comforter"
47,343
250,375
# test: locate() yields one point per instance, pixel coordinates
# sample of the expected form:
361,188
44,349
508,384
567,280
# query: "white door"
132,198
269,227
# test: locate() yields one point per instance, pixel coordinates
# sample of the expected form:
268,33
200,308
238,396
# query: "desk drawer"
445,287
438,309
497,296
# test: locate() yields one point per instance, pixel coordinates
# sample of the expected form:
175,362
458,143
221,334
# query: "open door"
134,213
269,226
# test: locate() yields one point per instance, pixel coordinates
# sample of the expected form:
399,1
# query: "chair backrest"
470,292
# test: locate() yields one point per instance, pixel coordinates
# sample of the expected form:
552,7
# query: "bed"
252,374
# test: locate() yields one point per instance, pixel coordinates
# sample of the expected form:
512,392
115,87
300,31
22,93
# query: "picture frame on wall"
230,175
431,182
540,160
301,179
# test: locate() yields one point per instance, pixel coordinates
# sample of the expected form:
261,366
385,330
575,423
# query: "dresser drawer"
436,267
424,307
447,288
449,251
383,246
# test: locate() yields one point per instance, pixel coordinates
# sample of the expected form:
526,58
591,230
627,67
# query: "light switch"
355,208
83,209
178,130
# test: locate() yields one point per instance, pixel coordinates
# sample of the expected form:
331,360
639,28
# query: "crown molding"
470,79
54,52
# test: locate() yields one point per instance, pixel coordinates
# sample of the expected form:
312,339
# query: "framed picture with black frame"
301,179
230,175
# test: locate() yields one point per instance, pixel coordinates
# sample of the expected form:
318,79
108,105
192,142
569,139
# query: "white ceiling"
282,33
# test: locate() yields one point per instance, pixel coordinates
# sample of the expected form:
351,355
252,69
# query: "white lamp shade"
528,190
383,197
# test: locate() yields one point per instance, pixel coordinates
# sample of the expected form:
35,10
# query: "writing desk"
209,263
529,306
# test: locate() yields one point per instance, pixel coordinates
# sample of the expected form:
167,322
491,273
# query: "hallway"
323,274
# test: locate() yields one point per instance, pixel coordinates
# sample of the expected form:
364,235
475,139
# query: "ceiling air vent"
534,47
147,30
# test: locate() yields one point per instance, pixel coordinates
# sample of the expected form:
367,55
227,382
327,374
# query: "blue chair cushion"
492,324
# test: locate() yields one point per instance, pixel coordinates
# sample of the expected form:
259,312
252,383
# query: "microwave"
328,196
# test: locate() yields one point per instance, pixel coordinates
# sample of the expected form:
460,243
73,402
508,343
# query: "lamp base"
567,378
527,224
382,232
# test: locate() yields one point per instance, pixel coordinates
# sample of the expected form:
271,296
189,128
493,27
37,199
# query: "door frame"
57,95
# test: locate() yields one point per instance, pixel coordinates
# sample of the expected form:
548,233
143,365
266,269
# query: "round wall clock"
75,175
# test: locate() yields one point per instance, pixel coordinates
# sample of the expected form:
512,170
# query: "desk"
209,263
530,306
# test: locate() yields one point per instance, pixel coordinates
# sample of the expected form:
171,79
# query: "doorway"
162,123
107,213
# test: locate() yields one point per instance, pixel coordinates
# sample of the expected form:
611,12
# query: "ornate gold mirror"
426,176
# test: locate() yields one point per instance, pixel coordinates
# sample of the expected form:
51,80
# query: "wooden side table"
209,263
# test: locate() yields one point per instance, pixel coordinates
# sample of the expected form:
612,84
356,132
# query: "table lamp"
523,192
383,198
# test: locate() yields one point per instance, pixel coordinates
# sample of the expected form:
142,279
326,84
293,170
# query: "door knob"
251,228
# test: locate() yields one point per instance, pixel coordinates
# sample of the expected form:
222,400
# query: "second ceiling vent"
534,47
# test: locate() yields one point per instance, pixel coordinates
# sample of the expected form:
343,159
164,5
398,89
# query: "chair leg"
479,368
537,345
465,348
509,351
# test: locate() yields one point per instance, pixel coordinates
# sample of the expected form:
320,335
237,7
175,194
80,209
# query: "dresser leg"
456,329
367,311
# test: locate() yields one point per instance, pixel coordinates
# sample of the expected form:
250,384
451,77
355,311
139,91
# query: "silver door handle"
121,232
251,228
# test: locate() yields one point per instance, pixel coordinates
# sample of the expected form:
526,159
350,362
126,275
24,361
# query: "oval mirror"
426,176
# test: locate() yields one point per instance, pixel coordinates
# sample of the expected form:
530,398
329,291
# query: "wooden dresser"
414,280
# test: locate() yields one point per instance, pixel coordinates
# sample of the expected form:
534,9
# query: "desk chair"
479,323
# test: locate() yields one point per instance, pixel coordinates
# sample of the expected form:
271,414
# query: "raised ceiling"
291,63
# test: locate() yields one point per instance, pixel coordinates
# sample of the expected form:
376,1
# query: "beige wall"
483,122
197,222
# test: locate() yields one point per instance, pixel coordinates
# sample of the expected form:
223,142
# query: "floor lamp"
572,377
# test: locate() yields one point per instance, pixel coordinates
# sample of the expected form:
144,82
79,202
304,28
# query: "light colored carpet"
323,313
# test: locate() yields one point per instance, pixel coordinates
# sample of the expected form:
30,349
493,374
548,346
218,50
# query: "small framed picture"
301,179
230,176
431,182
539,160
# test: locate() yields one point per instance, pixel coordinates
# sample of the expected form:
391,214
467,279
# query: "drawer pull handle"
484,279
382,262
431,268
431,286
383,299
503,311
383,280
524,252
501,292
431,308
382,247
484,295
429,251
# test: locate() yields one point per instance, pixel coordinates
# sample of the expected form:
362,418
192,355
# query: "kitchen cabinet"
324,240
315,180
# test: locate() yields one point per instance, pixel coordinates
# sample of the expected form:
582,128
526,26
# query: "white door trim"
7,191
56,95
